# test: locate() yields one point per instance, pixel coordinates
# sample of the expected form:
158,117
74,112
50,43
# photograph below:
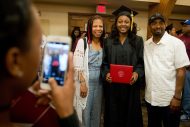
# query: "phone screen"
55,61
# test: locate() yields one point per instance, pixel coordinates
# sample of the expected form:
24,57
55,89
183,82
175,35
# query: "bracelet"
179,99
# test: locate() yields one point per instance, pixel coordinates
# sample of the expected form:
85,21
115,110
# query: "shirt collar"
162,40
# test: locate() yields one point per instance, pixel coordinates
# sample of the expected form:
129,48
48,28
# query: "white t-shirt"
161,61
63,62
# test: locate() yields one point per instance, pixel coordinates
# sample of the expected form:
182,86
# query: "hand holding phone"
62,97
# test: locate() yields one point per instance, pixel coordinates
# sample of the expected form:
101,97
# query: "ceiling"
137,5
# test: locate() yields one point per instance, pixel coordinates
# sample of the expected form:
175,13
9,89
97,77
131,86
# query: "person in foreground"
165,60
20,37
123,47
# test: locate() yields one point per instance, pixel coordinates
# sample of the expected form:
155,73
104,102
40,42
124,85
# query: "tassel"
132,20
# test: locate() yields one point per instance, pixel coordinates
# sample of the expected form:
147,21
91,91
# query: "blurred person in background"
171,30
75,35
186,90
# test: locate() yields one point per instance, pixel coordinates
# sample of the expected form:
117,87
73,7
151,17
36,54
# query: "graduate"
123,47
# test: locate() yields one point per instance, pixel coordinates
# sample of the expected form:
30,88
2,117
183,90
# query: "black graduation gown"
122,101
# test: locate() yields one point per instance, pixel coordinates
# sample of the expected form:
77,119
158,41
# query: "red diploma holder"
121,73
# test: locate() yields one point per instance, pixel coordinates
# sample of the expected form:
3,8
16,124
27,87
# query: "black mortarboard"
124,9
169,27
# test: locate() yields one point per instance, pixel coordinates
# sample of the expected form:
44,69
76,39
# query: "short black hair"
169,28
15,21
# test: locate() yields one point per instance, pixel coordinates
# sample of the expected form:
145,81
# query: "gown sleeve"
70,121
105,62
139,68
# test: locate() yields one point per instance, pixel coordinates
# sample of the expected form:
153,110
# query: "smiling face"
97,28
157,27
123,24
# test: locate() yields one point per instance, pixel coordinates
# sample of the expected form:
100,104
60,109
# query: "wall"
141,19
57,17
54,18
178,2
179,16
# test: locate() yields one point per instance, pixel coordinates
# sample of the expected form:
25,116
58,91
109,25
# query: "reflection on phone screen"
55,61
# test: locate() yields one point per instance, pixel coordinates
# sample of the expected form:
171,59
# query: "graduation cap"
123,10
169,27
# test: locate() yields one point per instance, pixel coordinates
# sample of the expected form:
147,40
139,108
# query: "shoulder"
138,37
175,41
81,40
108,41
80,43
149,40
138,40
134,37
170,40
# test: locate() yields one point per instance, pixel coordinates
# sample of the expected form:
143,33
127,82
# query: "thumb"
52,83
36,85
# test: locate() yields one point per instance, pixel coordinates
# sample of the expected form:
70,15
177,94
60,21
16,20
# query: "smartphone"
55,60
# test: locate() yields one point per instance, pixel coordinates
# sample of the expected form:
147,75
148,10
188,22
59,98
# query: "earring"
19,73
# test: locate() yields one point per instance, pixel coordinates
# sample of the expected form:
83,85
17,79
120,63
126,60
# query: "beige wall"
178,2
54,18
179,16
141,19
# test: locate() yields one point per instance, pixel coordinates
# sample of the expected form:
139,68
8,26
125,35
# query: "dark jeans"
186,95
158,116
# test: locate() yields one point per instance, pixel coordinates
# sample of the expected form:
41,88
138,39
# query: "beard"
158,33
